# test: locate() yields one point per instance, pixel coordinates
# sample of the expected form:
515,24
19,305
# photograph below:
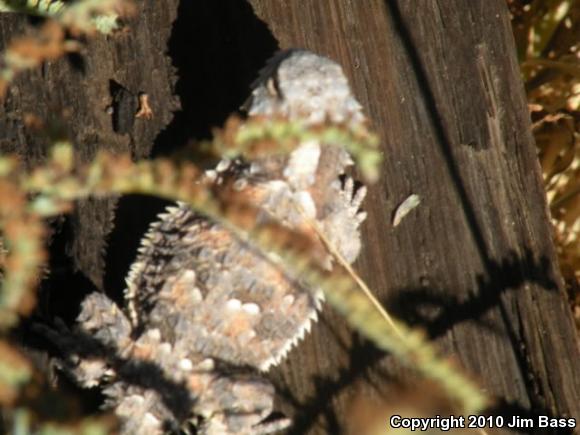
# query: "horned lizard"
206,311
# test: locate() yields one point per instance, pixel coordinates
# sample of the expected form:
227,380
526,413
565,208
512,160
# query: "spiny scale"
210,311
198,282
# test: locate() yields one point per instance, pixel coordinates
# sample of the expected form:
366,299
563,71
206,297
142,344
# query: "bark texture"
473,264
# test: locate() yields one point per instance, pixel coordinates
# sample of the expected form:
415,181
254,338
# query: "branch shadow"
436,313
217,49
214,82
363,357
147,375
436,310
179,397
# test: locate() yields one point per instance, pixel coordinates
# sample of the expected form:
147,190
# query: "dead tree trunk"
473,264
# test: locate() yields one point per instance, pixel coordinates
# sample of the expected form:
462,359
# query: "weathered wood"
473,264
76,94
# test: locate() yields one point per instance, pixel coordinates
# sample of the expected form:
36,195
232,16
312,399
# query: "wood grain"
473,264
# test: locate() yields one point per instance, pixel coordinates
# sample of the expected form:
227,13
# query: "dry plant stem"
481,400
363,286
345,296
542,31
566,197
58,183
568,67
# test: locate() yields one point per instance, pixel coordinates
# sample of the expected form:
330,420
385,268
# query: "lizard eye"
273,87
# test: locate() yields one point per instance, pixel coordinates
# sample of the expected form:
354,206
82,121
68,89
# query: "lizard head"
301,85
305,85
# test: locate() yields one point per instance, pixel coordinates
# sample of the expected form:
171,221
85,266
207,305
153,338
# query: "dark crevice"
217,48
133,215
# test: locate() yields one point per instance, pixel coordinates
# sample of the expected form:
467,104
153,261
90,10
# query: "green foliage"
81,15
50,189
33,7
262,136
27,197
22,425
14,372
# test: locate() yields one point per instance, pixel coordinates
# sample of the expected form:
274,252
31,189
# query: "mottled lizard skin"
207,312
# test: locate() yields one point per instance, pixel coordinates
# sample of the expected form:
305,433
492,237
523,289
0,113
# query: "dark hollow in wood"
473,264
